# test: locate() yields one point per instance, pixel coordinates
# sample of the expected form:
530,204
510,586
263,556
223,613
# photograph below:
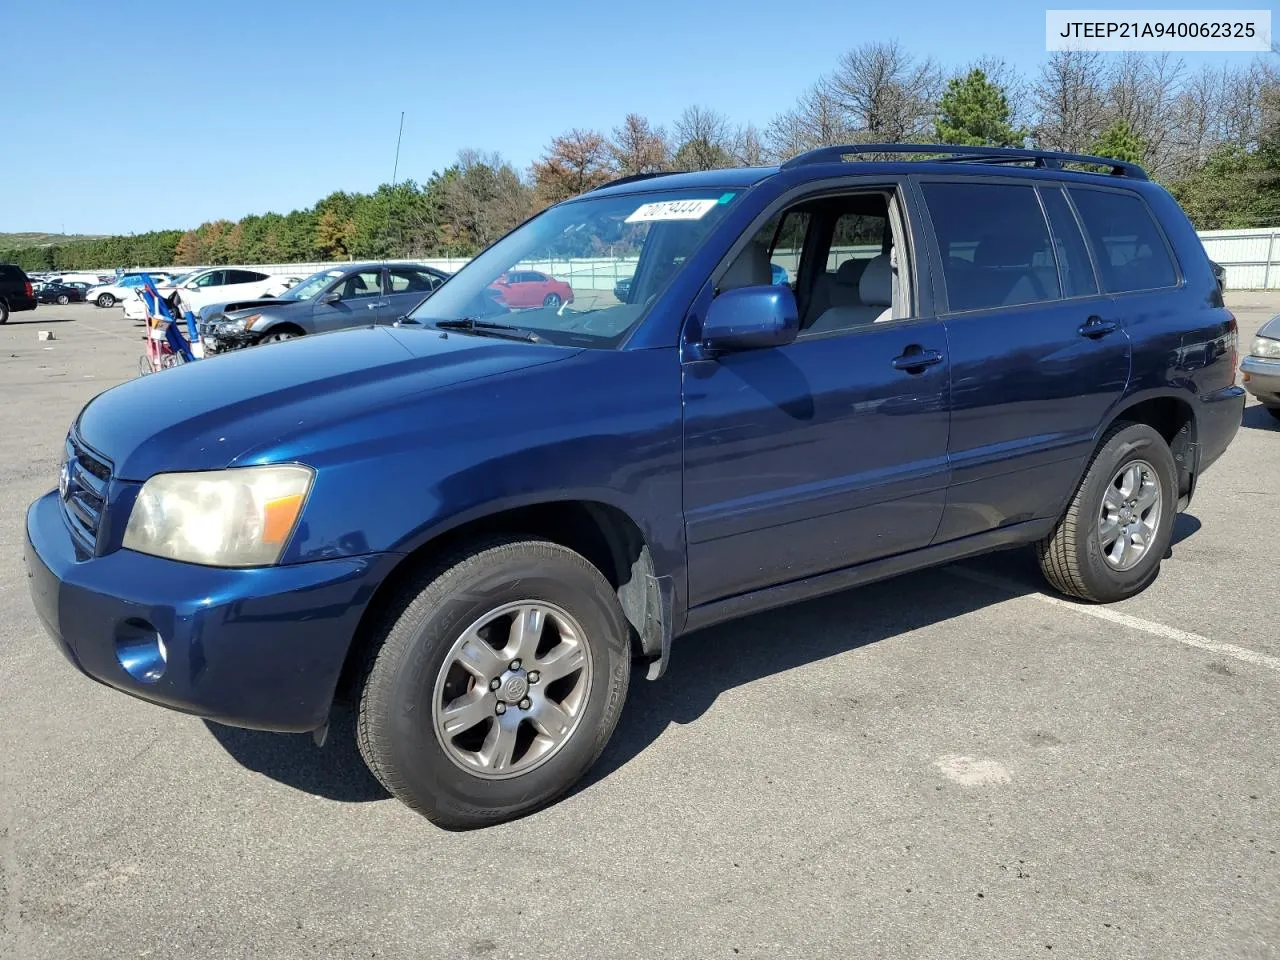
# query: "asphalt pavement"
951,764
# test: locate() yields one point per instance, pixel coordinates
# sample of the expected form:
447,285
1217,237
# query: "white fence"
1251,258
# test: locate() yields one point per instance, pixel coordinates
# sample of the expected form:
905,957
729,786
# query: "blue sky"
271,105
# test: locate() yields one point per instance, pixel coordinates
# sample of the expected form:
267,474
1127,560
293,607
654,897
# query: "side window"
1073,257
212,279
994,243
857,236
788,243
411,281
362,284
1127,244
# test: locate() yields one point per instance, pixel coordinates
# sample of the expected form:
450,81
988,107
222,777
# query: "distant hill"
18,240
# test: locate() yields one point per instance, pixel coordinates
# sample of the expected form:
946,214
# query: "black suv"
15,291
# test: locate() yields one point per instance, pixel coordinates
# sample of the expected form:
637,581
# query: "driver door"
355,300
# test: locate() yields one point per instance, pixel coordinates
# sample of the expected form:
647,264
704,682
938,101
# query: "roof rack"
953,153
634,177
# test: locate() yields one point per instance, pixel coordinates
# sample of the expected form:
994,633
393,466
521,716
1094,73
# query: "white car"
120,289
222,284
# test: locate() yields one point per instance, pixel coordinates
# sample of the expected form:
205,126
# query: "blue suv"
475,520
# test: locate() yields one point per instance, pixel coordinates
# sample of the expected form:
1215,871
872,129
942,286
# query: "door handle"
914,359
1096,327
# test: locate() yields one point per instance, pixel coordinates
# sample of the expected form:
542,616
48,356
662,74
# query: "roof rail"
951,152
634,177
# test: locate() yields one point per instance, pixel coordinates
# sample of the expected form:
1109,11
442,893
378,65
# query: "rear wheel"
106,300
551,300
63,299
4,312
1118,526
522,654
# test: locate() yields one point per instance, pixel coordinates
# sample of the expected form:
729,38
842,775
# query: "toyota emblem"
64,479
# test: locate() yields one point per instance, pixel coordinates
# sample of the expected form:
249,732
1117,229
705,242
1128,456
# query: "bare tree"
638,148
705,140
1070,101
1143,92
483,198
886,93
748,147
815,121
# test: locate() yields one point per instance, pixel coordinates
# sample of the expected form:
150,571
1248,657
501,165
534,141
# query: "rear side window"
1127,244
995,245
1073,256
12,273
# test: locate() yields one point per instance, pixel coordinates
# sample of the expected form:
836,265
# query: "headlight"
229,326
240,517
1266,347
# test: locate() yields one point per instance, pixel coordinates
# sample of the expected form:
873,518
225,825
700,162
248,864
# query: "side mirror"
749,318
333,296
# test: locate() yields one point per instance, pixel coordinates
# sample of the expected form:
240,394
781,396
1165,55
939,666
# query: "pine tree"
974,111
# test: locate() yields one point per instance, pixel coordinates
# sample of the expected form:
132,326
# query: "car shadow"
1257,417
334,771
36,321
709,662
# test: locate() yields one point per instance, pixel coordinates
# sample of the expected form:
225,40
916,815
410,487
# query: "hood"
1270,329
227,309
205,414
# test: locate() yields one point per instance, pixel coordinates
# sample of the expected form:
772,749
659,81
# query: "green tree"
1119,142
976,112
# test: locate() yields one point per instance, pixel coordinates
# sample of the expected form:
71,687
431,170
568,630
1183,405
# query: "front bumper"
1262,379
260,648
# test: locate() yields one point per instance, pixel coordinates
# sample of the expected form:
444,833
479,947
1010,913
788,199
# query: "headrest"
876,286
850,272
749,269
1006,250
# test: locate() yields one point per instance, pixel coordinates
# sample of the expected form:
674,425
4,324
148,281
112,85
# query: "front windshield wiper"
487,328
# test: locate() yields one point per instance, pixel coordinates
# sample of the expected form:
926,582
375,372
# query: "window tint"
213,279
1127,244
857,236
995,244
1073,257
412,281
363,284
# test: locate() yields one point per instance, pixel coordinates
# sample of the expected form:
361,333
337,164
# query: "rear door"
1039,353
406,288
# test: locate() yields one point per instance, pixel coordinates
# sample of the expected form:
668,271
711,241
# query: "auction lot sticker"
672,210
1181,31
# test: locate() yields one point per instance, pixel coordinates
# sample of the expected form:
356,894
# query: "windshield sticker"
672,210
726,197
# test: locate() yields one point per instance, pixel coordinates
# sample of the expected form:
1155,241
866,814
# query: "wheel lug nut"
502,708
526,703
495,683
515,664
533,676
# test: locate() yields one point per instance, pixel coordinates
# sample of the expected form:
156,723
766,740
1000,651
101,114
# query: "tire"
412,666
63,299
105,300
4,312
552,300
280,337
1072,557
1274,411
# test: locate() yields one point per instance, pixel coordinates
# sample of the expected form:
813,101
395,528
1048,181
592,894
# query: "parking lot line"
1123,619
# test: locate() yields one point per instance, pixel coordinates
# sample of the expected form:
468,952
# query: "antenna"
396,169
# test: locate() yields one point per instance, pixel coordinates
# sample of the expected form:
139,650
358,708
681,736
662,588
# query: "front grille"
85,498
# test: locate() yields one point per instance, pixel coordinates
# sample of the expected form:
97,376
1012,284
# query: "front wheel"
4,312
106,300
498,680
1119,525
279,337
552,300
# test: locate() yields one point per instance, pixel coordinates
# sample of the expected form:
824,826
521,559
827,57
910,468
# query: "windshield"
583,272
309,287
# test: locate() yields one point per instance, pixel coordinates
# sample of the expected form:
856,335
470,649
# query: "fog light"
141,651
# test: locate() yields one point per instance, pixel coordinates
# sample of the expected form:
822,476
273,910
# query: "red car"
529,288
